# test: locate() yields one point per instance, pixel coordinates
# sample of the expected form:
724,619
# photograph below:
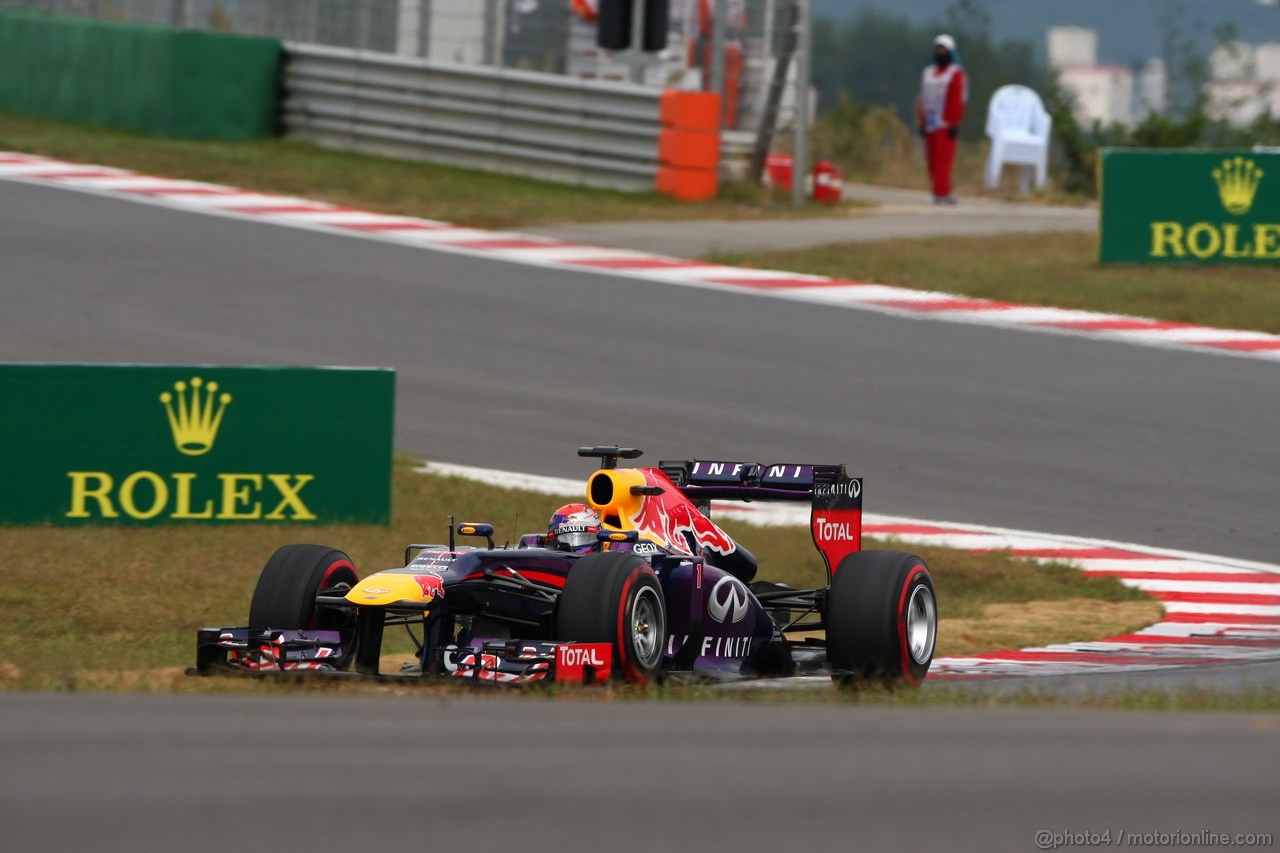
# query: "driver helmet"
573,528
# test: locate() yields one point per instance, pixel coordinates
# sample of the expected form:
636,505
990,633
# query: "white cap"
946,41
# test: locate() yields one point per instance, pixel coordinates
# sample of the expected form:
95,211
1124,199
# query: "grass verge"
380,184
117,607
1047,269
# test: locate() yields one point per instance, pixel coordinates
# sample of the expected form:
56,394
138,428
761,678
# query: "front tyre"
285,597
615,597
882,619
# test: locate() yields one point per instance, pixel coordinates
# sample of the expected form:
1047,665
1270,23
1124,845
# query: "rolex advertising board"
1178,206
132,444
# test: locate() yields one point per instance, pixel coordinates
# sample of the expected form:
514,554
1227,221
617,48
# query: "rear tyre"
615,598
285,597
882,619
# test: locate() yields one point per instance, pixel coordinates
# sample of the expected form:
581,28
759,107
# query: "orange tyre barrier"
689,145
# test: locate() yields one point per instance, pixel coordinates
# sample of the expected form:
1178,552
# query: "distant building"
1244,82
1072,46
1266,63
1100,93
458,32
1240,102
450,31
1231,61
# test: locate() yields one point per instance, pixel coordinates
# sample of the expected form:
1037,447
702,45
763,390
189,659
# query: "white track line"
547,252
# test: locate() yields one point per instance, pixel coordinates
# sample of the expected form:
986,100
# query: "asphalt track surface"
508,366
124,774
511,367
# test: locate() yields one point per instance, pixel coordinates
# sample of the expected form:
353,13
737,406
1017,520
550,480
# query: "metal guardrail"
544,126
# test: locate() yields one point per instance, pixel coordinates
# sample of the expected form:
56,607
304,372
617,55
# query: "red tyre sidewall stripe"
902,625
629,668
328,573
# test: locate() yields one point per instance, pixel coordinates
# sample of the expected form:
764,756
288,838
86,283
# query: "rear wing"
702,479
835,517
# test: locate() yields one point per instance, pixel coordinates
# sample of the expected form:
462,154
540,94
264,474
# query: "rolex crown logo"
194,417
1237,181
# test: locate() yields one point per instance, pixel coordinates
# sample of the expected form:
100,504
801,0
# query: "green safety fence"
165,82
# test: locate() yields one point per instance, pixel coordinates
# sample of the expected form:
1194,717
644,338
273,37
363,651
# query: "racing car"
665,594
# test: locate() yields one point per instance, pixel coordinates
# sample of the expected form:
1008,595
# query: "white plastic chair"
1019,129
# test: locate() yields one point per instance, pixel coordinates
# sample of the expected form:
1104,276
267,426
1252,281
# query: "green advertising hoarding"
134,444
163,81
1171,206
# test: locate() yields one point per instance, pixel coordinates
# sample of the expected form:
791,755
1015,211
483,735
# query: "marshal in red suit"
944,93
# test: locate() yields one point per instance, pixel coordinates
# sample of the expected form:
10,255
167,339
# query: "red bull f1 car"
667,594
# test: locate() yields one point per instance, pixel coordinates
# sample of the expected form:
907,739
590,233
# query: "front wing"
263,651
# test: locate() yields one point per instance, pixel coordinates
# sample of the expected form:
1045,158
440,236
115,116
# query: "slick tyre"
882,620
615,598
285,596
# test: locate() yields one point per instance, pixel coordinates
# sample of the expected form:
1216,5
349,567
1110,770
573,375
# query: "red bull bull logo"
432,586
670,515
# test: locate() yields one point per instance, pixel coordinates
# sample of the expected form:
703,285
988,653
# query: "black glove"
922,131
953,131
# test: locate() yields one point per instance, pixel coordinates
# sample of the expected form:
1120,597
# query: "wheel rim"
648,627
922,624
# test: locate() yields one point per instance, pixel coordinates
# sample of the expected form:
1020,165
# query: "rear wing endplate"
835,520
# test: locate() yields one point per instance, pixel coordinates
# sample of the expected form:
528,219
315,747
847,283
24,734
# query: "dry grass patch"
162,679
1040,623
